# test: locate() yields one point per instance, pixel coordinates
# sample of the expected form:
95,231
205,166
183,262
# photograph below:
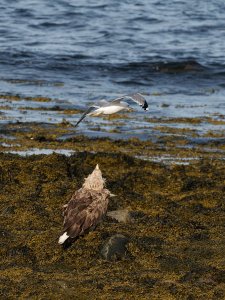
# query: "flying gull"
86,208
104,107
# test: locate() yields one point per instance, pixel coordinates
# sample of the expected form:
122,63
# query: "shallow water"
37,151
78,52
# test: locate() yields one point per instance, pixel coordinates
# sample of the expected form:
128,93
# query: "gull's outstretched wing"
137,98
102,103
91,108
118,100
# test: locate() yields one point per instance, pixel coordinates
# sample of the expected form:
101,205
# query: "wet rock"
120,215
115,248
183,66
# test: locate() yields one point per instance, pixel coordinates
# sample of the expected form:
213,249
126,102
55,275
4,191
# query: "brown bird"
86,207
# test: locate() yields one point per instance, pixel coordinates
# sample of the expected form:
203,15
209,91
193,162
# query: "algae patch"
176,239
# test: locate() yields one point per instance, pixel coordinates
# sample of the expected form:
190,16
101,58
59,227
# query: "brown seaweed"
176,238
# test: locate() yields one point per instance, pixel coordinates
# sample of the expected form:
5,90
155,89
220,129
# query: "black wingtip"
145,106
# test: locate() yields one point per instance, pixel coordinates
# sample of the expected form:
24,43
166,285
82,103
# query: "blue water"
80,51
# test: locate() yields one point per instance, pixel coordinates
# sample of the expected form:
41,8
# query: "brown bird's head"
94,181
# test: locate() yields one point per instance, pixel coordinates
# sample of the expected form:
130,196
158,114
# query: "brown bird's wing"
84,213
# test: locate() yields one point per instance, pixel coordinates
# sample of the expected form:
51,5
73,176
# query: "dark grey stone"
115,248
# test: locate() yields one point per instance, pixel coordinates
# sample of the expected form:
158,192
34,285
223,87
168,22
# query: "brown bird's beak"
112,195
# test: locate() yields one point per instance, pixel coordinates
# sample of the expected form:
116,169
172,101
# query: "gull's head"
94,181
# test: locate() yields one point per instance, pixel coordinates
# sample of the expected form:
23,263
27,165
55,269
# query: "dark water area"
81,51
113,47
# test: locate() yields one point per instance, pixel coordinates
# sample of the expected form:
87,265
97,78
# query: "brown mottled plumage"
86,207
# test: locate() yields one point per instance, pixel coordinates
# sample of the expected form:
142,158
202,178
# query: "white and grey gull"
104,107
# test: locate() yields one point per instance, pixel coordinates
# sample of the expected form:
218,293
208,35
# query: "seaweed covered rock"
115,247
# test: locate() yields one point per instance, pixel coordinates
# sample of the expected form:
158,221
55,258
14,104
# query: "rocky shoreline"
174,241
163,237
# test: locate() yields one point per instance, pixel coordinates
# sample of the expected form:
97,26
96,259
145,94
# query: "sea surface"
77,52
